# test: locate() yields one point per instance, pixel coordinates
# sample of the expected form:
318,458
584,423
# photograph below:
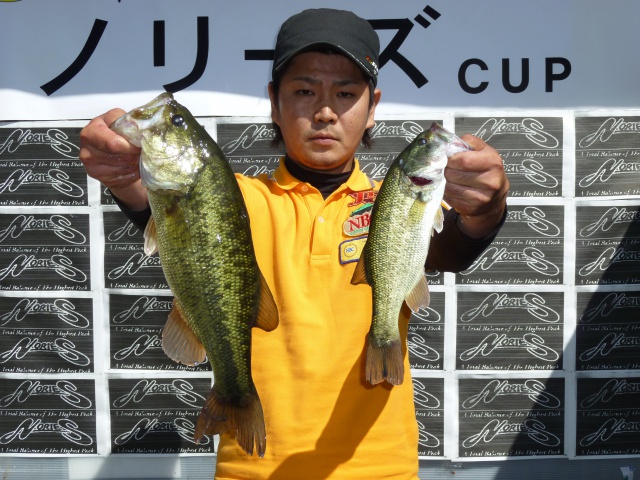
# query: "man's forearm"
452,250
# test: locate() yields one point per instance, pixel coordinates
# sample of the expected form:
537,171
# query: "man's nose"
325,114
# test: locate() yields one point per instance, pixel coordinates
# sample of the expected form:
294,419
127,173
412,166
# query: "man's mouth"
323,139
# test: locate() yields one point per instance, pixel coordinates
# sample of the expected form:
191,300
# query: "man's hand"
477,188
112,160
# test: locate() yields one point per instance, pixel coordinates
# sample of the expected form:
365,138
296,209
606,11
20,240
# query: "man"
323,419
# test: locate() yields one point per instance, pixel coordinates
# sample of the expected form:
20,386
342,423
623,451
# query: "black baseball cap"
325,27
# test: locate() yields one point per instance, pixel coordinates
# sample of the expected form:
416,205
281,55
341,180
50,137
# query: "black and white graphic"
608,420
531,149
425,338
126,265
46,335
248,147
48,417
39,167
157,415
607,156
607,245
510,331
529,250
509,310
429,402
44,252
136,324
511,417
608,331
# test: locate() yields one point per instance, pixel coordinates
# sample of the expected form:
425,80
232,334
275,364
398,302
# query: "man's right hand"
112,160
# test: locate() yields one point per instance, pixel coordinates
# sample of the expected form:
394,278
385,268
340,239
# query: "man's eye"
304,92
346,94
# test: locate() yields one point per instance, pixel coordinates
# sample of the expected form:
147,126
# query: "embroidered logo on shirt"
358,222
359,198
350,250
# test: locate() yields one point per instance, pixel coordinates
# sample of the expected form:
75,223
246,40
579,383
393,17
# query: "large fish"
405,213
200,228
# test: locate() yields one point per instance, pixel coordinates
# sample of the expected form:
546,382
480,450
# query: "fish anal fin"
360,273
178,340
244,418
384,362
438,221
267,318
419,297
150,238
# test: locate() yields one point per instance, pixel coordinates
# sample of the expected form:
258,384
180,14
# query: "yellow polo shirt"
323,419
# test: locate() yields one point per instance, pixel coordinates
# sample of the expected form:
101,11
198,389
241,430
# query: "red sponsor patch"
358,222
359,198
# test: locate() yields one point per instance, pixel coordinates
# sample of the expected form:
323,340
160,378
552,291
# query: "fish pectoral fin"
178,340
267,318
419,297
150,238
360,273
438,220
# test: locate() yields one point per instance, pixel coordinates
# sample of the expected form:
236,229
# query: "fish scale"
182,230
200,228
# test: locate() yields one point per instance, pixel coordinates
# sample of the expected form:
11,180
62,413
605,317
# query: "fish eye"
422,141
177,120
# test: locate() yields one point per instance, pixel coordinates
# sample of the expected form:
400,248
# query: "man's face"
323,110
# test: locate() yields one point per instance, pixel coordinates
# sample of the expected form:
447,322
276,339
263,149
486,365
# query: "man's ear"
377,95
274,104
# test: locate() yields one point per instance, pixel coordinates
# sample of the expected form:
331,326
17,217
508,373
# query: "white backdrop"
592,43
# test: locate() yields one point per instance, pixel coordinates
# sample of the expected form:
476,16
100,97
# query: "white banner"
77,58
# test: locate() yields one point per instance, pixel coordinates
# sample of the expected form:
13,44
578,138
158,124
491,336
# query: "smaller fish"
405,214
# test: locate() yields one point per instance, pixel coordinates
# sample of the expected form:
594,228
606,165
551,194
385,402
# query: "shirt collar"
358,181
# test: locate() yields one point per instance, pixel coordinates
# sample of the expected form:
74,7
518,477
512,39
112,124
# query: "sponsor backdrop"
533,353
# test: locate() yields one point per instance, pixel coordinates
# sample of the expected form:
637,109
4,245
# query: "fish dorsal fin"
419,296
150,238
438,220
178,340
360,273
267,318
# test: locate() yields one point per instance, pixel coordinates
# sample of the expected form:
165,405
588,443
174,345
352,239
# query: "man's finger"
99,136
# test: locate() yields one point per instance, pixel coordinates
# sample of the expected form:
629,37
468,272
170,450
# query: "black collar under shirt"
326,183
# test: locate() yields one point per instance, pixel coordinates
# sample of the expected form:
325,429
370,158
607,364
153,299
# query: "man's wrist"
480,226
134,196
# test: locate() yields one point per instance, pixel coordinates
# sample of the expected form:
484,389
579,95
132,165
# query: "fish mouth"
454,142
420,181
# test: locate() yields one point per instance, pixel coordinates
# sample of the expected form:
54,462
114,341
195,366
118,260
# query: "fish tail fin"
246,418
385,362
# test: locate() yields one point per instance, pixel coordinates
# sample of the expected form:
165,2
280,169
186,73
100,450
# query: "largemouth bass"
405,214
200,228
